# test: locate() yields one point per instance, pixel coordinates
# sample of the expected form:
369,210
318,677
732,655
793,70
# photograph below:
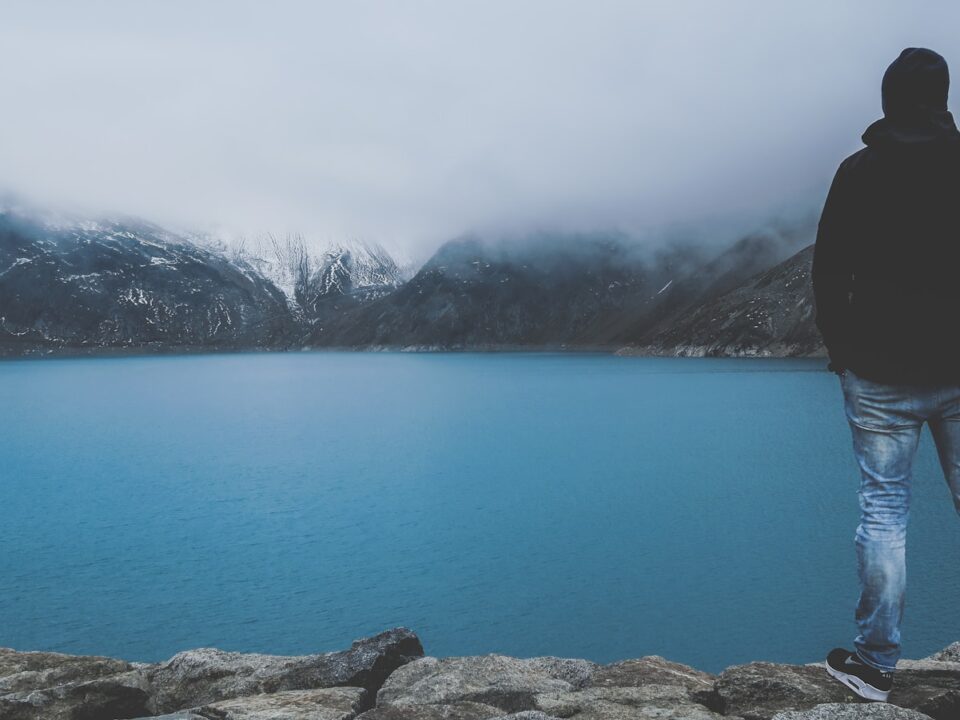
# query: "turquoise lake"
528,504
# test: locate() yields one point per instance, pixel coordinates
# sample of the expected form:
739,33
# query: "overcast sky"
411,122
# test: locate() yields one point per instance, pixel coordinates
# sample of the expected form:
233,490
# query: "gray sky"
410,122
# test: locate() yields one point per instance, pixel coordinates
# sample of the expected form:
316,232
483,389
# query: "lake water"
574,505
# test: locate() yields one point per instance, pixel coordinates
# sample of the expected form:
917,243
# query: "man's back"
888,253
888,303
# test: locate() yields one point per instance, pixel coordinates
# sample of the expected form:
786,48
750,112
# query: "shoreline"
82,352
389,677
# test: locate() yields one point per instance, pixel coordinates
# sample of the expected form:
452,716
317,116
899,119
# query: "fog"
410,123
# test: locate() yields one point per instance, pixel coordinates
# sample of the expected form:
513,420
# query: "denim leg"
886,430
945,428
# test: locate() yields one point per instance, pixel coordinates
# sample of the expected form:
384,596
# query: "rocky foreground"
387,677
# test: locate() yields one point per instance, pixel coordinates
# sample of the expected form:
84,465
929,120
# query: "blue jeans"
885,421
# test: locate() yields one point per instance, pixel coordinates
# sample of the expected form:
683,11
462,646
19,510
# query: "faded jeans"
885,422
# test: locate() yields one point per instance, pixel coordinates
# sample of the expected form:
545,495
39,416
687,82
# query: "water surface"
574,505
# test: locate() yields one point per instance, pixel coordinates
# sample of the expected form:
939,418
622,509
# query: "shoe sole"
860,687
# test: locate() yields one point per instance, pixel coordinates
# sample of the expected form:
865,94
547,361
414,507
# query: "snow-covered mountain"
82,285
89,285
312,273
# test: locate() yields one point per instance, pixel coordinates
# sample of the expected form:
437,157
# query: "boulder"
648,687
503,682
337,703
205,676
759,690
626,703
951,653
928,687
31,670
122,695
849,711
454,711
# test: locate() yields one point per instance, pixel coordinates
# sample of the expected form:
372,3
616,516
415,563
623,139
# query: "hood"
914,93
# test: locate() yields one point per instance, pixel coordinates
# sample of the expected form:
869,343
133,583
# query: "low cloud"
410,123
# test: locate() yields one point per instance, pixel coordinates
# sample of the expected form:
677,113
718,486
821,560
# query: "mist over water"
410,124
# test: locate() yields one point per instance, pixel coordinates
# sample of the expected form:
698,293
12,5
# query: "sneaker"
864,680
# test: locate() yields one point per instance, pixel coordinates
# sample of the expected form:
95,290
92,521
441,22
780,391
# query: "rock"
338,703
209,684
454,711
88,286
656,701
651,669
123,695
507,683
207,675
846,711
32,670
642,688
757,691
933,689
951,653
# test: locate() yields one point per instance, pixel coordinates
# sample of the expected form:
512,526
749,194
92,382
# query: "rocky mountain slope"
694,284
552,291
474,294
771,314
388,677
93,285
107,285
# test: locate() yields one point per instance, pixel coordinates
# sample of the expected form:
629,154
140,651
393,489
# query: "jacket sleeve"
832,272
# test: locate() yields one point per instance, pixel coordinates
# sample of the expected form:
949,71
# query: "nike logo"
850,661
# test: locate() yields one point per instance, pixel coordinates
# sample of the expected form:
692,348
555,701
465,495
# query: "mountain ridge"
126,285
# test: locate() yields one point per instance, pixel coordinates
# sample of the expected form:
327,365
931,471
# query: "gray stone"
951,653
504,682
207,675
338,703
648,687
32,670
122,695
757,691
655,701
453,711
859,711
654,670
933,689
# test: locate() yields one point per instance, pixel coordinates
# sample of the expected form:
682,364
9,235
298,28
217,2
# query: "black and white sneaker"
864,680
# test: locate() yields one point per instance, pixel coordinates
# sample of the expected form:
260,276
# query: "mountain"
83,285
545,291
349,274
80,285
771,314
316,279
591,291
697,277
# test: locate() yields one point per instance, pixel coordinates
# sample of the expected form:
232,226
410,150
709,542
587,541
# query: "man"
886,282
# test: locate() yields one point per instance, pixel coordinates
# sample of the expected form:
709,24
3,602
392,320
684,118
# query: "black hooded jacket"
886,264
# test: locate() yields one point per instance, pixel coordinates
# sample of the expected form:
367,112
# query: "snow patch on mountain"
309,271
